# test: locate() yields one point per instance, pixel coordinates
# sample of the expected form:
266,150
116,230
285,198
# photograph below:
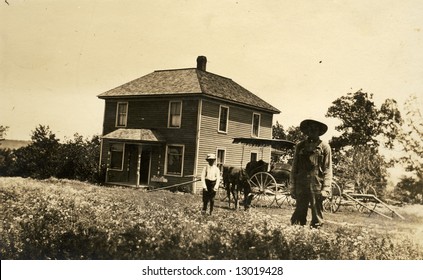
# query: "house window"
256,125
121,113
175,113
116,156
174,159
253,156
220,158
223,119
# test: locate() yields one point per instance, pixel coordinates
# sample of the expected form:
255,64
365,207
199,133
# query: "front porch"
133,157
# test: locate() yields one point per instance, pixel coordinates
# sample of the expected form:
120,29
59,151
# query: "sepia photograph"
210,138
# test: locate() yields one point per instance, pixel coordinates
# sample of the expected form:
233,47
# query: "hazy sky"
57,56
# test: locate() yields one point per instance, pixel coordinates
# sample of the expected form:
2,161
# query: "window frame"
254,153
220,119
258,126
166,171
118,114
111,155
169,118
218,162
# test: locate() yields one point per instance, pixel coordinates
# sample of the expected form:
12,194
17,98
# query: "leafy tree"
294,134
410,137
79,159
361,168
409,189
277,131
40,159
363,126
362,123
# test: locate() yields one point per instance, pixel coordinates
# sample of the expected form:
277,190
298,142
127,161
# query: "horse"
234,180
252,168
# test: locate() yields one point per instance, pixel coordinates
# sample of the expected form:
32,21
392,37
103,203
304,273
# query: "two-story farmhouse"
161,126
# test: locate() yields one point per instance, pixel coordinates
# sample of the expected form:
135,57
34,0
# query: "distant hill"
13,144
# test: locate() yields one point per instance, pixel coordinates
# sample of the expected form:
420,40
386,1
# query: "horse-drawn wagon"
269,186
263,185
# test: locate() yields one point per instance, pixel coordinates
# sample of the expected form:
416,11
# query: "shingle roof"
143,135
189,81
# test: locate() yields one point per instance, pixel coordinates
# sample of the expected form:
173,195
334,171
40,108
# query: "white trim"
199,120
224,152
252,125
182,164
117,114
227,120
123,155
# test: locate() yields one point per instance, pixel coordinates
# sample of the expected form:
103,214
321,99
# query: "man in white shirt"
210,179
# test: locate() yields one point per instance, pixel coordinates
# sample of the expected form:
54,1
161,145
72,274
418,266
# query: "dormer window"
175,114
121,114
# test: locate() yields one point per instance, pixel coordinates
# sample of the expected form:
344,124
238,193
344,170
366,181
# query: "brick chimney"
201,63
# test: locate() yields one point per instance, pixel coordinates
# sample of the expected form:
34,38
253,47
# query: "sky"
300,56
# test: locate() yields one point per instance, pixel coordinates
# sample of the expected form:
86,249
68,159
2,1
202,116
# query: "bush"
46,157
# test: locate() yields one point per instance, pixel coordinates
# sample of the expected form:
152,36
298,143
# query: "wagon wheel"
333,202
263,187
282,195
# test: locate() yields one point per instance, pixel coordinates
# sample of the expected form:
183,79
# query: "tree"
363,126
278,132
362,123
410,137
294,134
79,159
40,159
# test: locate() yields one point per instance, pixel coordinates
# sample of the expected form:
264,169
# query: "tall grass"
61,219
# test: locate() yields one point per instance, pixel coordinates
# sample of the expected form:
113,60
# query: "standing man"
311,174
210,179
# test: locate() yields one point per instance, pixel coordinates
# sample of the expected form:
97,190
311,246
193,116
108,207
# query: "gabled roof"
190,81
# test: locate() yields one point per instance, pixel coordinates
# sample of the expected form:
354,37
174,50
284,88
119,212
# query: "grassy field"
60,219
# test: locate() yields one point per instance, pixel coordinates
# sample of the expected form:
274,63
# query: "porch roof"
139,135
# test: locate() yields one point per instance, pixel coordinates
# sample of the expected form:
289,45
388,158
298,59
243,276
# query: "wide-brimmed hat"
305,124
211,157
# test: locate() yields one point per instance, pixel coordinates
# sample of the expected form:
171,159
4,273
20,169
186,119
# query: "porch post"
139,165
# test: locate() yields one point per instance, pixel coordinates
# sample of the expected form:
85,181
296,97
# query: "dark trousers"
304,200
208,196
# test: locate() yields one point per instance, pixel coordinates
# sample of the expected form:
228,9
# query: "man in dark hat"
311,174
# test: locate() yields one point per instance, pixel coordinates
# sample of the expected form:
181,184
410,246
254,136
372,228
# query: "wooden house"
158,129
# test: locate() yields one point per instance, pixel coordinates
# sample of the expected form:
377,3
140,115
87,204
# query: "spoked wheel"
263,187
333,202
282,195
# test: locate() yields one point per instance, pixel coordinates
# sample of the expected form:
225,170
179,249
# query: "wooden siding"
239,125
153,114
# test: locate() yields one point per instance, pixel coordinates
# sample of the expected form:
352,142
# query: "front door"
145,166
